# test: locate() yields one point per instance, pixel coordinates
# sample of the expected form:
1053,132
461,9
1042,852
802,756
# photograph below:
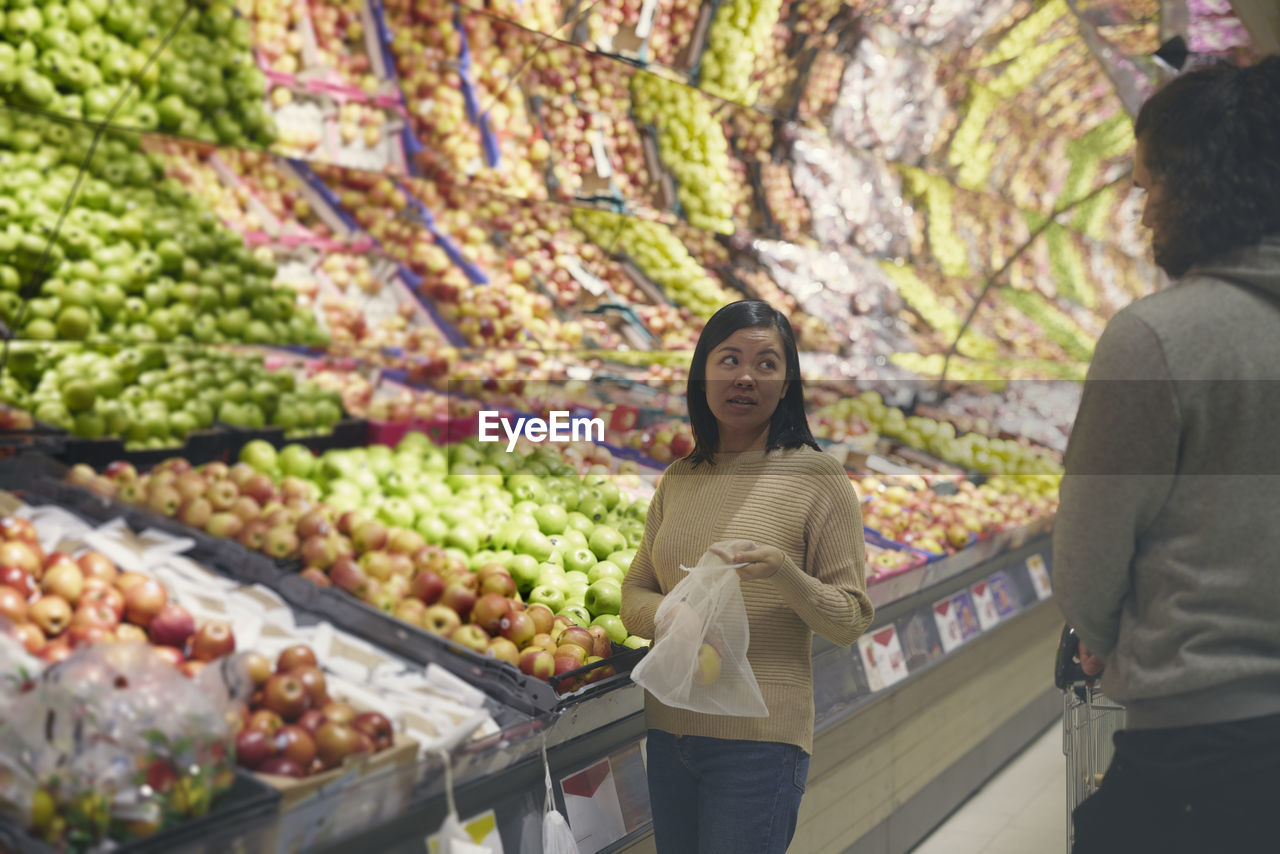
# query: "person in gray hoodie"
1167,541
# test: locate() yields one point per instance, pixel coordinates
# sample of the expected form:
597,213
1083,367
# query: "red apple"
285,695
17,528
377,727
129,633
266,720
191,668
24,556
313,680
603,645
428,586
489,611
143,601
335,742
97,565
538,663
441,620
504,650
172,626
311,720
580,637
13,605
19,579
339,713
542,617
459,597
253,747
31,637
347,575
212,641
295,657
295,743
95,614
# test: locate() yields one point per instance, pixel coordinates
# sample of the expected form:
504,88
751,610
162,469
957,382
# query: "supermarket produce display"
263,265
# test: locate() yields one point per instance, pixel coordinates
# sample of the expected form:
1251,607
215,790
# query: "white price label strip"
645,25
985,605
603,167
1040,577
882,654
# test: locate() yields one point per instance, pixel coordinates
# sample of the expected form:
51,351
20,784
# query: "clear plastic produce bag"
699,657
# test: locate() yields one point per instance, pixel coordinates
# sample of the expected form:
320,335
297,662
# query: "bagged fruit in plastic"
699,659
117,743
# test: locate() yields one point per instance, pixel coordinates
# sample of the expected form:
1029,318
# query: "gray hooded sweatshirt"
1166,549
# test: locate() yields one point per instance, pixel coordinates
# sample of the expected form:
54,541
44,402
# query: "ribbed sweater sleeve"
641,593
831,595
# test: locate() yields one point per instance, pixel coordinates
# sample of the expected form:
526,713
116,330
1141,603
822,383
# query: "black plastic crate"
239,821
200,446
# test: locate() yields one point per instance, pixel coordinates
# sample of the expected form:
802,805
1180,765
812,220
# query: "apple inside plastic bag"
699,659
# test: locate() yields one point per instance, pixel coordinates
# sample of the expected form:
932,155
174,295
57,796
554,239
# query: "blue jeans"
717,796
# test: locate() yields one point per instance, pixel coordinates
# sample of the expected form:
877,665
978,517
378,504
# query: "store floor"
1021,810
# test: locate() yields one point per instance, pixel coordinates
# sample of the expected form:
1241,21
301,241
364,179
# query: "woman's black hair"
1211,140
789,427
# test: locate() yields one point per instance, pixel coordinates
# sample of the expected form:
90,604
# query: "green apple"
535,543
464,538
525,571
575,539
605,569
634,642
612,624
603,597
551,518
432,528
623,559
579,560
604,541
296,460
544,594
577,613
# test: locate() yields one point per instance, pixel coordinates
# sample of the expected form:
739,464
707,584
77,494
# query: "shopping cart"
1089,720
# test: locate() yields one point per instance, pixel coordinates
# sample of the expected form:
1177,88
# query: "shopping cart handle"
1067,670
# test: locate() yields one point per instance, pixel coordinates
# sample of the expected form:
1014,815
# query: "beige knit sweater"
798,500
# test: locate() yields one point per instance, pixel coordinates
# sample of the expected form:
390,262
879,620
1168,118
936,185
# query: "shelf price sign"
985,604
1039,576
882,654
956,619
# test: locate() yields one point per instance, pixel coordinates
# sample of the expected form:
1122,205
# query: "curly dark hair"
1211,139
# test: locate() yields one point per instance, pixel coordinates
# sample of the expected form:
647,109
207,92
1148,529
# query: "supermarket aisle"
1019,811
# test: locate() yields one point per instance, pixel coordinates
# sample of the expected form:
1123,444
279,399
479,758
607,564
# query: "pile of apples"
79,61
292,728
153,398
786,207
662,441
693,146
137,259
907,510
562,74
57,603
660,255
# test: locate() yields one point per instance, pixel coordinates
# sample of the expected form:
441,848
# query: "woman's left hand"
761,561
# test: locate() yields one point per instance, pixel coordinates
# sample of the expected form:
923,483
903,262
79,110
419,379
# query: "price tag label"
645,25
590,282
598,153
1006,605
984,603
944,614
1040,576
882,654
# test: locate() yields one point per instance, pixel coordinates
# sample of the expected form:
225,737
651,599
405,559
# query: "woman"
733,784
1164,548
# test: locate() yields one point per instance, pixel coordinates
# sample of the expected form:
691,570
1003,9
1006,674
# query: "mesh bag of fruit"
699,658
